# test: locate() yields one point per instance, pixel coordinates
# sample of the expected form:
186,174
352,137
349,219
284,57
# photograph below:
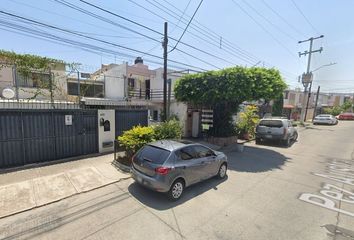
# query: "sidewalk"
25,189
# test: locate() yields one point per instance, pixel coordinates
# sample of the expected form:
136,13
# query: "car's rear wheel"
176,190
222,171
258,140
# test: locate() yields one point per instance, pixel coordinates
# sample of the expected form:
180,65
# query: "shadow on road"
276,144
254,159
321,129
159,201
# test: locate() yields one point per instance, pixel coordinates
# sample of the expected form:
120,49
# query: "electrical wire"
210,32
264,29
268,21
141,25
185,29
243,58
179,20
88,37
283,19
306,19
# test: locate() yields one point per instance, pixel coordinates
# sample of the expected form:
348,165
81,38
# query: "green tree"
226,89
347,106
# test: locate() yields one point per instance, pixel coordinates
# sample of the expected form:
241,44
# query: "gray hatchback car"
170,166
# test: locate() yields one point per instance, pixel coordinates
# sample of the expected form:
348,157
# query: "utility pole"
169,82
317,95
78,86
165,41
307,77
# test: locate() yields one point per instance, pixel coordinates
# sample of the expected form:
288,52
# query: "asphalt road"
302,192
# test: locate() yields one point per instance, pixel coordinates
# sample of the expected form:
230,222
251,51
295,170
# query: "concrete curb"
77,193
122,167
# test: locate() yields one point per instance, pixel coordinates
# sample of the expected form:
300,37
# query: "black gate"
126,119
33,136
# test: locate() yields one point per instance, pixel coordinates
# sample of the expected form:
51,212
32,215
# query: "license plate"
268,136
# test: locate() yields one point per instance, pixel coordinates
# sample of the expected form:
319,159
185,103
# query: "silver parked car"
170,166
276,129
325,119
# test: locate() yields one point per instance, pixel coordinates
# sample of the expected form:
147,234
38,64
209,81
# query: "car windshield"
271,123
154,154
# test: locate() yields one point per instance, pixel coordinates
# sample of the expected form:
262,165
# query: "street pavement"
271,192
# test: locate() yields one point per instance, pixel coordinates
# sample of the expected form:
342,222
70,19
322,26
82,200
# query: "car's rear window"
271,123
154,154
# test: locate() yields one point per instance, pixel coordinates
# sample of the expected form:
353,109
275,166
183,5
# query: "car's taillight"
162,170
285,131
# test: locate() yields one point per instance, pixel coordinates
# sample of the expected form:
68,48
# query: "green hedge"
134,139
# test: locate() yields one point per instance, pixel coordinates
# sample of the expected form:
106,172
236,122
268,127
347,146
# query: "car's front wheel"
286,142
222,171
176,190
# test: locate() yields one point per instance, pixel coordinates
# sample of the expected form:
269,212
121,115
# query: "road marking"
338,171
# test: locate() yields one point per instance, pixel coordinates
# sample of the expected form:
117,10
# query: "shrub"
248,121
168,130
135,138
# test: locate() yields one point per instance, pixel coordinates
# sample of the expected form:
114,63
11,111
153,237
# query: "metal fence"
34,135
126,119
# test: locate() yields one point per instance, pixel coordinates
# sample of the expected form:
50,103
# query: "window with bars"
34,80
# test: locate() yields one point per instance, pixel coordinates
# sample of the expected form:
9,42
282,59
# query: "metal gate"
126,119
33,136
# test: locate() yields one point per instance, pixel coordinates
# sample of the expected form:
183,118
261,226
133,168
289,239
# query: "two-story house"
35,84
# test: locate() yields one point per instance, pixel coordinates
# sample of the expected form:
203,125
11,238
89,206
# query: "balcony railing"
148,94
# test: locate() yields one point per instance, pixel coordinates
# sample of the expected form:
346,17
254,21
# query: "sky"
222,34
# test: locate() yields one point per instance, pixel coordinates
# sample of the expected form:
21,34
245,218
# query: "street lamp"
325,65
309,95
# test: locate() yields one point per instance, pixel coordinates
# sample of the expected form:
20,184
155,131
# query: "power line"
87,37
184,11
264,29
76,20
134,22
268,21
185,29
210,31
282,18
306,19
207,36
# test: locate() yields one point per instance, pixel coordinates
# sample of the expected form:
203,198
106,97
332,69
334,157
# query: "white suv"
276,129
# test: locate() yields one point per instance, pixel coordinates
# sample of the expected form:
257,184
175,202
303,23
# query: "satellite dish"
8,93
